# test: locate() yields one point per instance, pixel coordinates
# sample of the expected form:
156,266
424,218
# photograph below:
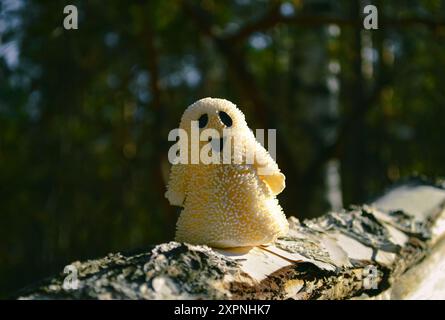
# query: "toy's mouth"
217,144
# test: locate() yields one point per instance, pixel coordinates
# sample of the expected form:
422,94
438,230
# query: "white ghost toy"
226,204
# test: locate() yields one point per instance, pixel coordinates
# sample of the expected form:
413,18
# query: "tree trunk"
392,247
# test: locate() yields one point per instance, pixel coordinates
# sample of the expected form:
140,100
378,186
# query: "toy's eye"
203,120
225,118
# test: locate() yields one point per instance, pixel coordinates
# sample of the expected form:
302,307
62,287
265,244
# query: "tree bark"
387,248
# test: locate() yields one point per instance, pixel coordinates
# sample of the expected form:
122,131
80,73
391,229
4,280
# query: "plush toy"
230,203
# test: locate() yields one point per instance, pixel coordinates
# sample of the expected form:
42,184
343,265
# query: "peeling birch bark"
390,248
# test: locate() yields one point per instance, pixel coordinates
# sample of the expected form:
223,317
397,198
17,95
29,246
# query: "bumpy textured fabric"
226,204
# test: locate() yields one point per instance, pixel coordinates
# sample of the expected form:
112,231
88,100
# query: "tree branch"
274,18
362,252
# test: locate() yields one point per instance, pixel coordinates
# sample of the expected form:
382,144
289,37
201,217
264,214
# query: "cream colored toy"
227,205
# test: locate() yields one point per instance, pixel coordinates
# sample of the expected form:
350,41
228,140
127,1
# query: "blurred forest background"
84,114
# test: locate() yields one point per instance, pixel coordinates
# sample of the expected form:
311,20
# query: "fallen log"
392,247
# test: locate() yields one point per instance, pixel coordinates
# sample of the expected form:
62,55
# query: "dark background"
84,114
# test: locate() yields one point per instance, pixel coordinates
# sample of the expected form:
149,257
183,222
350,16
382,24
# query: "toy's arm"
176,188
268,170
